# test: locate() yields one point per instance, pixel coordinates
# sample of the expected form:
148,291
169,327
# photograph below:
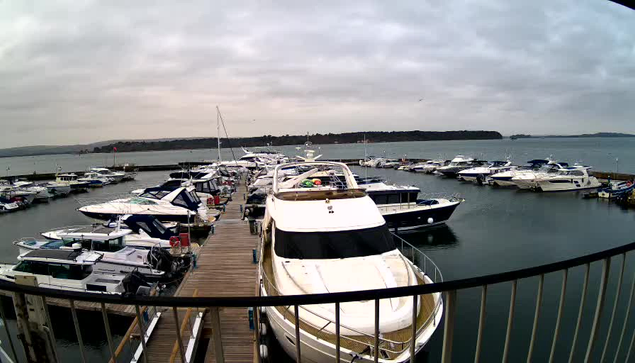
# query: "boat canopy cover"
149,224
498,163
68,255
329,245
537,161
188,174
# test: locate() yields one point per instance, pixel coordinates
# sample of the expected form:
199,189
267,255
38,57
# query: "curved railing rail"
250,301
448,288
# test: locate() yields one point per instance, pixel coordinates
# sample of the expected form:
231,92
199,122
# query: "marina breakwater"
602,175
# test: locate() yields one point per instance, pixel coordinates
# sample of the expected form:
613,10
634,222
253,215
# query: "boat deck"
224,268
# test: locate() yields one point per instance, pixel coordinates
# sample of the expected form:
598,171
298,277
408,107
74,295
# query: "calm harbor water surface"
600,153
494,230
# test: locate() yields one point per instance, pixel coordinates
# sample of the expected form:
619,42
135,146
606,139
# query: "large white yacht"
179,205
72,180
504,178
480,173
529,178
457,164
429,166
322,237
115,176
573,178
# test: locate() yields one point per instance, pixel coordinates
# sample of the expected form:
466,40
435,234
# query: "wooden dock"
224,268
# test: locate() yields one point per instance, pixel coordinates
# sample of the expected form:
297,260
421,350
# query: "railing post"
217,338
298,341
257,332
510,321
563,294
448,330
6,329
142,329
606,269
617,299
626,317
534,328
111,345
585,285
178,334
337,332
413,342
78,332
481,324
376,349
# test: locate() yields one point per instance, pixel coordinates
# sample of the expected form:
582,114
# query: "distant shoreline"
211,143
597,134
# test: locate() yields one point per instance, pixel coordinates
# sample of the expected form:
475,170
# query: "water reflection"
441,236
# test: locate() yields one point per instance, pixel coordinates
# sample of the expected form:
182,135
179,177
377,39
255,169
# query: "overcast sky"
83,71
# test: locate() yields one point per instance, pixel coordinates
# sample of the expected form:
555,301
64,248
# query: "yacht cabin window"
330,245
56,270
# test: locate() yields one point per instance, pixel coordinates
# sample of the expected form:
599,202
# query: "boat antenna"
365,157
220,117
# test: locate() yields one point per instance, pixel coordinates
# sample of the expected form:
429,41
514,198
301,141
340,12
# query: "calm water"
494,230
601,153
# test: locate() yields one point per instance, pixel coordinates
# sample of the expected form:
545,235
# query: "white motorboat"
480,173
95,180
457,164
428,167
504,178
22,196
8,206
72,180
57,189
117,256
67,269
616,189
321,237
403,211
568,179
146,231
41,193
179,205
116,176
205,189
528,179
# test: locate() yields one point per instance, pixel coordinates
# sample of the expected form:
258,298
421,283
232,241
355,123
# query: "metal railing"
596,343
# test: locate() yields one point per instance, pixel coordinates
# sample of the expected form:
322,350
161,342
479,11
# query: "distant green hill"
342,138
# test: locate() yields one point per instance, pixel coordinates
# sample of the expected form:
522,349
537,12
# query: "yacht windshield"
329,245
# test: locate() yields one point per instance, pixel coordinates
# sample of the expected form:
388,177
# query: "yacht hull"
317,350
566,186
416,217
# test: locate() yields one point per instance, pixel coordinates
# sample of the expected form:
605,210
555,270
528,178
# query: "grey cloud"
77,72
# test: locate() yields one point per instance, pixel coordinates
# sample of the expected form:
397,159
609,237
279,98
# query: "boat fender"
263,329
430,220
264,351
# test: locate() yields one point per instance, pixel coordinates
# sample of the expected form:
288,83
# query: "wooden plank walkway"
224,268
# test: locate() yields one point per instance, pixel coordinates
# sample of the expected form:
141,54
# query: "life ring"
175,241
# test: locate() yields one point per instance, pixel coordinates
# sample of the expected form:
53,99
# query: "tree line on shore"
330,138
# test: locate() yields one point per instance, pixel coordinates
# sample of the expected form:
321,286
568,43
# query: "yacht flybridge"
326,235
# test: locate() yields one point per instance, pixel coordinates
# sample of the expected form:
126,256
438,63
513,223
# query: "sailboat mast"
218,131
